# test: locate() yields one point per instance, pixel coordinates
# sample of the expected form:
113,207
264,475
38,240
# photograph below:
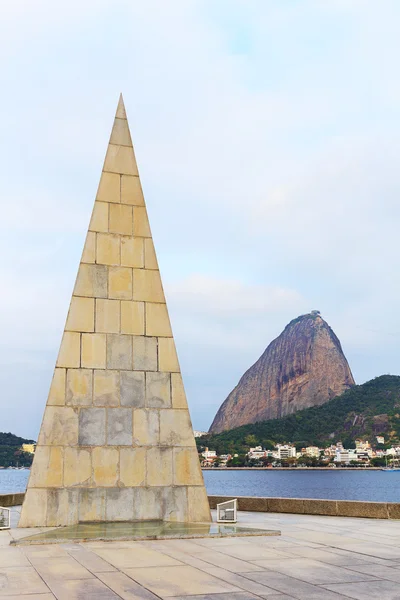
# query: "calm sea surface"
336,485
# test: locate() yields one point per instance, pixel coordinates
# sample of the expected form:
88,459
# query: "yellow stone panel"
167,357
57,388
107,248
120,283
109,188
187,467
157,320
132,465
34,509
120,159
178,391
175,428
91,281
77,467
120,134
80,315
146,427
89,250
106,388
150,258
70,350
107,316
121,219
159,466
141,225
79,387
99,220
131,191
199,508
132,317
94,350
147,286
132,252
59,427
105,466
47,468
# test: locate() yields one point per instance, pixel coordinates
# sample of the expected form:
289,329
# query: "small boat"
395,466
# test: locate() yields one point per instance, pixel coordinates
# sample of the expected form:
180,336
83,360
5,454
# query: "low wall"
11,499
311,506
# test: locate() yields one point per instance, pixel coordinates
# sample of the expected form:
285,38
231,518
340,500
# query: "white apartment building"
209,454
256,452
285,451
312,451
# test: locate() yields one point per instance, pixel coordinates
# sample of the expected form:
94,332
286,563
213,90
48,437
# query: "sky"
267,138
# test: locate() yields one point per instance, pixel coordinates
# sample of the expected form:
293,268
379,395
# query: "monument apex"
116,440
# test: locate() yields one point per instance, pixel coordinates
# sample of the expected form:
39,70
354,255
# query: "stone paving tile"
90,560
371,590
377,550
84,589
20,580
231,596
30,597
125,587
179,581
44,551
137,557
322,555
218,559
60,568
13,557
379,571
241,582
251,552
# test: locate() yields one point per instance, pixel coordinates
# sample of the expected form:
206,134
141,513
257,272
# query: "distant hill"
11,454
363,411
303,367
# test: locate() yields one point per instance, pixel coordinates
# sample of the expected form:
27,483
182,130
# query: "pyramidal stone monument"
116,441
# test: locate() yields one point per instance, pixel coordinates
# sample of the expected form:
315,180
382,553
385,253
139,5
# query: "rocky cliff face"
304,366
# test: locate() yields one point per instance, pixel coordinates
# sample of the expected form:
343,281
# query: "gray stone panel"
119,351
158,390
144,353
92,427
132,388
119,427
119,504
148,503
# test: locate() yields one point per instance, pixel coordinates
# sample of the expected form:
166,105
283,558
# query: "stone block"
105,466
92,427
141,227
120,219
131,191
99,220
148,503
147,286
198,507
119,427
393,510
286,505
178,391
157,320
57,389
132,466
77,467
146,427
175,504
120,135
92,505
319,507
144,354
108,247
62,507
47,468
132,389
132,252
150,258
109,188
89,249
158,390
159,466
175,428
167,357
59,427
187,467
34,509
70,350
80,315
374,510
119,504
93,350
119,351
107,316
106,388
91,281
120,159
132,317
120,283
79,387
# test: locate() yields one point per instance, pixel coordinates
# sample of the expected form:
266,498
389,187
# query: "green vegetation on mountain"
362,412
11,454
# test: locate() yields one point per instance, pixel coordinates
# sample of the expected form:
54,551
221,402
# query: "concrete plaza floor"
316,557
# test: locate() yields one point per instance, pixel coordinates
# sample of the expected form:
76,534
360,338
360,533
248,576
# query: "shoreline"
341,469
